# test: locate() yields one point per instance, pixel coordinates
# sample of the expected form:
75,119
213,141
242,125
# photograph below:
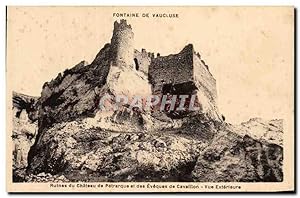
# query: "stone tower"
122,44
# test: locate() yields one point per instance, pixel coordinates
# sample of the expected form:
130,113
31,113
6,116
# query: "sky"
249,50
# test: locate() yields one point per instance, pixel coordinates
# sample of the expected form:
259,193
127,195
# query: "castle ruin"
120,69
184,73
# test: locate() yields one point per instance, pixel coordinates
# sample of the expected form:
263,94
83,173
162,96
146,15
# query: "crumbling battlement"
142,60
172,69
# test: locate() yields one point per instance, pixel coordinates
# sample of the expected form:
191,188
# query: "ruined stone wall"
204,79
142,60
206,85
177,68
186,68
122,44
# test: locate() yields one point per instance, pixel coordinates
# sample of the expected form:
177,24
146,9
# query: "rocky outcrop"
81,153
24,103
24,127
74,94
235,158
204,152
263,130
64,143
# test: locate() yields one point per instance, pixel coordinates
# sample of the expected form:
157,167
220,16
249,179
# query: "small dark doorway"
187,88
136,64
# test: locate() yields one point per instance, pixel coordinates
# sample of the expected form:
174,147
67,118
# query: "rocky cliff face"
204,152
240,158
24,127
74,93
78,141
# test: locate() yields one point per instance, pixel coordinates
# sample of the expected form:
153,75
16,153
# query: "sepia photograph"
150,99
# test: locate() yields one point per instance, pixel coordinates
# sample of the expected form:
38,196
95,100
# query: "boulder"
239,158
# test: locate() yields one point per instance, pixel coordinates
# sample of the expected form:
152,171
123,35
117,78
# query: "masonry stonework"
122,44
172,69
185,73
142,60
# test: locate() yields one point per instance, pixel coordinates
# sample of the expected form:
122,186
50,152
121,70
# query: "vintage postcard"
150,99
